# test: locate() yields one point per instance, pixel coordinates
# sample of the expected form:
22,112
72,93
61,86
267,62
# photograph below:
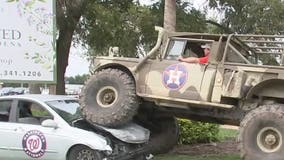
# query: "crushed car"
51,127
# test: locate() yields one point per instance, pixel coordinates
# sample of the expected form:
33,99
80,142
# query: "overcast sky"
78,65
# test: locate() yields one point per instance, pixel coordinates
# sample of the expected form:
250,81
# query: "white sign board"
27,40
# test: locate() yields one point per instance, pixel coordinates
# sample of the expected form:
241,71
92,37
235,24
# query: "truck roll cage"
256,49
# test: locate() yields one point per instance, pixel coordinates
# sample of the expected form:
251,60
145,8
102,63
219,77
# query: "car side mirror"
49,123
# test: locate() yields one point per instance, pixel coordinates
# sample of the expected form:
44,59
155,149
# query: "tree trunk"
67,17
62,55
52,89
170,15
34,88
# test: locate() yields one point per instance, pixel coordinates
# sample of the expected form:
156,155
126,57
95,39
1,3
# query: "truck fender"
116,66
268,88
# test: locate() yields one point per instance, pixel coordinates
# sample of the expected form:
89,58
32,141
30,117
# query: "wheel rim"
86,154
107,96
269,139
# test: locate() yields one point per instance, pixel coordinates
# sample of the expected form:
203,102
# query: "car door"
172,78
6,129
36,142
30,139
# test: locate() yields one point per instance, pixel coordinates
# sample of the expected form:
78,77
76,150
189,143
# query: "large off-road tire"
83,152
262,132
164,132
109,98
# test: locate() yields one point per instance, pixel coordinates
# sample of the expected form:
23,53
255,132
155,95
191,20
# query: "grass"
225,134
185,157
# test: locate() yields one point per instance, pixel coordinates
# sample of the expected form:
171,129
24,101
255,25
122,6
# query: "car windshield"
69,110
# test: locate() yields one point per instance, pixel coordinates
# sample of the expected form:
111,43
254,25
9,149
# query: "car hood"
130,133
91,139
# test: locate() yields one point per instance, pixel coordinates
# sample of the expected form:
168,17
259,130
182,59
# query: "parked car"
5,91
51,127
18,90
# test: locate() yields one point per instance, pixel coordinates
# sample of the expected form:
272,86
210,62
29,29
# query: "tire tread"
275,108
127,110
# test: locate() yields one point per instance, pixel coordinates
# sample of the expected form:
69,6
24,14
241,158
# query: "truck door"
172,78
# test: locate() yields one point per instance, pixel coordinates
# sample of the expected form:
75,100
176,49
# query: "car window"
38,111
5,107
32,113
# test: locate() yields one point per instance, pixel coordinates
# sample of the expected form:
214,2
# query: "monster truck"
242,84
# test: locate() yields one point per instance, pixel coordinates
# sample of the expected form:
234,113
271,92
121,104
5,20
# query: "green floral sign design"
40,20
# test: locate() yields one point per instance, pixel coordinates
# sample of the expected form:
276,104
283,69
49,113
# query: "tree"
112,23
254,16
68,14
34,88
130,26
170,15
79,79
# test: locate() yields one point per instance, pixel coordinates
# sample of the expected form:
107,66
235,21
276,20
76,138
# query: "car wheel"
262,133
83,153
109,98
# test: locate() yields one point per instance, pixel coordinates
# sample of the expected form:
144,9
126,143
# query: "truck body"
234,80
241,84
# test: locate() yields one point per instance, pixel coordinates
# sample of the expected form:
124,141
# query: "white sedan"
50,127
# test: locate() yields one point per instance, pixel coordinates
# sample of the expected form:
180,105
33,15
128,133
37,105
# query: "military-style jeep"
242,84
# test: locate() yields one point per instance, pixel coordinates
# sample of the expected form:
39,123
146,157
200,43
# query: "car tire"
164,132
83,152
261,134
109,98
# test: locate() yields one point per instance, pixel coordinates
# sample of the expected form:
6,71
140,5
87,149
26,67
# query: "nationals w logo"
34,143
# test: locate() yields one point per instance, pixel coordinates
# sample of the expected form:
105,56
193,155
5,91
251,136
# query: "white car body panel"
58,140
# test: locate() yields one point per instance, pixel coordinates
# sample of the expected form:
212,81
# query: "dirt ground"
227,147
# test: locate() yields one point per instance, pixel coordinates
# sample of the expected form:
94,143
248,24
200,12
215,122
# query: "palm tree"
170,15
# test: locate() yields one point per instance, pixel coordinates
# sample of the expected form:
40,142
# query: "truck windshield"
69,110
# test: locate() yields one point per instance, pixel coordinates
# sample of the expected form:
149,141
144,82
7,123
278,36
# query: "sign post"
27,41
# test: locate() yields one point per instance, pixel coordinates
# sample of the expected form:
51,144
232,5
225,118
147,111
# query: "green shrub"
197,132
